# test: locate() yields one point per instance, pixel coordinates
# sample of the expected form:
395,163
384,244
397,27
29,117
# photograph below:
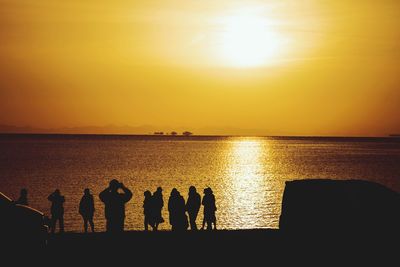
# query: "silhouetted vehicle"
23,198
21,226
148,210
158,204
86,209
332,207
193,206
114,203
209,209
176,208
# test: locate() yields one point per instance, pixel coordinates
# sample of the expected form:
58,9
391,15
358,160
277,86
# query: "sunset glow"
209,67
248,41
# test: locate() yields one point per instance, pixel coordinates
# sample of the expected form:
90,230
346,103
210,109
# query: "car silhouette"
21,226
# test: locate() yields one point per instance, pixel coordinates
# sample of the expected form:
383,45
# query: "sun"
248,40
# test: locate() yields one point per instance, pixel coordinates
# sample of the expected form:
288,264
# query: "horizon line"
393,136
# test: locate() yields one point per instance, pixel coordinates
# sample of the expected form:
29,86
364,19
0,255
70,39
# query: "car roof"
4,199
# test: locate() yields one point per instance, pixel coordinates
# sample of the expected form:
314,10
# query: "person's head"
57,192
192,190
24,192
86,191
147,194
174,192
207,191
114,185
159,189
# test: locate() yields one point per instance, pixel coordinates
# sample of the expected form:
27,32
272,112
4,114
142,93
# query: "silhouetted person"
114,203
158,204
148,210
176,208
86,209
209,209
193,206
57,210
23,197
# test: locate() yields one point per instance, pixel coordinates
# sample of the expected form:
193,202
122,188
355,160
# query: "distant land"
128,130
167,130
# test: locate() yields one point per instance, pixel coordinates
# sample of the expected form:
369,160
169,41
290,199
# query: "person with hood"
176,208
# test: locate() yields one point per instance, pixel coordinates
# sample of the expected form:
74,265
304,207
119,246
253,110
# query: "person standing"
148,210
209,209
193,206
176,208
57,210
86,209
114,203
158,204
23,197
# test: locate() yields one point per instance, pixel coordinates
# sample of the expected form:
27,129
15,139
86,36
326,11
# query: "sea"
246,174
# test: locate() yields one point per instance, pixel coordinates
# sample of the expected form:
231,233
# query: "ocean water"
247,174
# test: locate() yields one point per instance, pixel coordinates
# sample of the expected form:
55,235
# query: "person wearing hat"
114,205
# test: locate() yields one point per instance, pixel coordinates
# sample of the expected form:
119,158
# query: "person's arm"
50,197
187,206
103,194
127,193
92,203
81,206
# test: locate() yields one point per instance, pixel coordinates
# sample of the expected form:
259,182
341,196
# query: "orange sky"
225,67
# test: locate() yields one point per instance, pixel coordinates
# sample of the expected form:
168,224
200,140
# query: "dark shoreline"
223,247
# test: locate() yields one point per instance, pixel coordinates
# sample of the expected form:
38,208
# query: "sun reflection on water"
248,180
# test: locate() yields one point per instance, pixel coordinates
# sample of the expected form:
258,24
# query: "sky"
213,67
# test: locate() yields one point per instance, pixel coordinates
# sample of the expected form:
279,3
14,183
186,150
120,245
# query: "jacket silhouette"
114,203
86,209
176,208
148,210
23,197
57,210
209,209
193,206
158,204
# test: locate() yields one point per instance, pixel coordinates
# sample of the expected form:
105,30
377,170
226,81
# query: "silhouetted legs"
115,225
88,220
54,219
148,222
192,220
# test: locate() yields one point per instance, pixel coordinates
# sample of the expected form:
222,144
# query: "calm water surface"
247,174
